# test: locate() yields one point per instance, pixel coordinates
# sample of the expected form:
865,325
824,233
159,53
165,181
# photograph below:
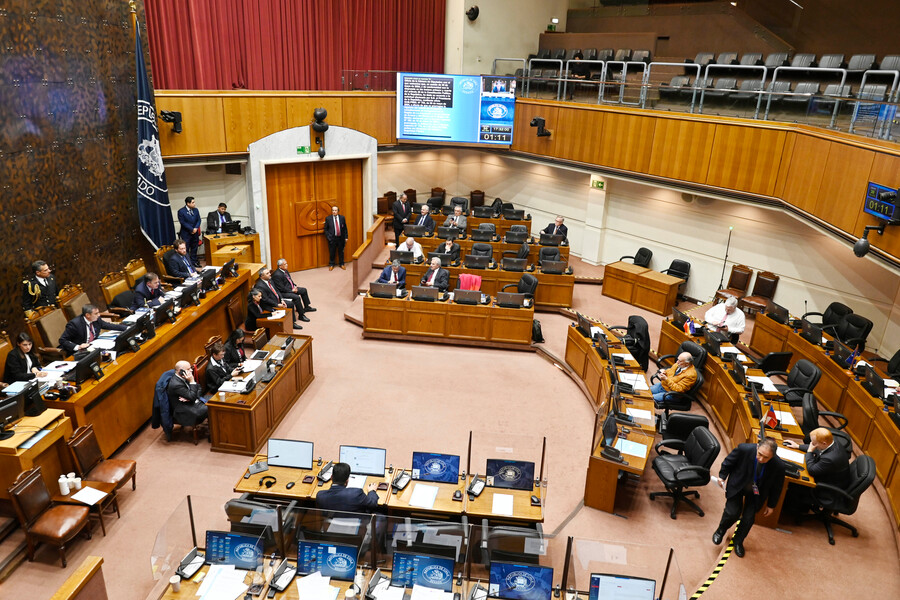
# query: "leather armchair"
810,417
637,339
91,464
738,282
688,468
641,258
801,379
527,285
773,361
893,365
832,500
763,291
852,330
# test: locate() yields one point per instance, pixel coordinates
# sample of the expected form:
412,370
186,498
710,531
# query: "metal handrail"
778,70
671,64
888,97
515,60
621,83
602,64
762,82
531,68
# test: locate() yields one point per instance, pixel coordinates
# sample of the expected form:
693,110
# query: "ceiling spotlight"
171,116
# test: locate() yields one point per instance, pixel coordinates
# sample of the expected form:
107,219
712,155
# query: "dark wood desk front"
641,287
213,243
501,225
241,423
487,325
121,401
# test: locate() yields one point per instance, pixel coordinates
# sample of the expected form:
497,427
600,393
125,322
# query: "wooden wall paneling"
784,166
746,158
249,118
681,149
373,115
626,141
300,110
203,124
339,183
843,186
583,130
525,137
886,171
292,214
804,177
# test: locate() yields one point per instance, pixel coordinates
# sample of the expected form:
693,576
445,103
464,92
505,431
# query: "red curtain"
289,44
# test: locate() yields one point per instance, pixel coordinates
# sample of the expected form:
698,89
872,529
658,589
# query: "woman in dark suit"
22,363
218,371
234,349
254,310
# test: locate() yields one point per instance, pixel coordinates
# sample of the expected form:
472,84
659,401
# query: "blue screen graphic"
242,551
520,582
467,109
510,474
421,569
441,468
332,560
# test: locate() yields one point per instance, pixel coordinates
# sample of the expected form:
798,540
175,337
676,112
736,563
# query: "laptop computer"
477,262
548,239
514,264
510,300
467,296
415,230
404,256
451,232
554,267
383,290
426,293
483,212
516,237
482,235
513,214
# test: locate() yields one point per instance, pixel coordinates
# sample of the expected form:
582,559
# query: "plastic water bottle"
63,485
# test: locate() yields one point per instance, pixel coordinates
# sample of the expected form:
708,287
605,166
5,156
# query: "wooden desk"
122,400
383,495
444,504
602,477
241,423
283,475
431,244
552,290
482,325
50,452
500,224
214,244
284,324
619,280
483,505
641,287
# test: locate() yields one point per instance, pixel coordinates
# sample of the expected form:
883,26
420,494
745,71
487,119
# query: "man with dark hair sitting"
218,371
340,497
81,331
148,292
179,263
216,220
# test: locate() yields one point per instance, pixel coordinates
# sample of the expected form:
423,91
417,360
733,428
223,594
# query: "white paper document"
356,481
51,376
420,592
277,315
637,380
732,350
89,495
316,586
59,365
423,495
639,413
597,331
767,384
623,355
785,417
103,344
251,365
791,455
631,448
502,505
16,387
386,591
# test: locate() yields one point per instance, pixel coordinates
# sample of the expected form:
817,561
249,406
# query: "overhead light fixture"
171,116
555,21
539,123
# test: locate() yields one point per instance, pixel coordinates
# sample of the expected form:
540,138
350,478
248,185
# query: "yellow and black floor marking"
712,576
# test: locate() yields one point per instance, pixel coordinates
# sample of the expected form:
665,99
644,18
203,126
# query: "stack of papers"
420,592
15,388
103,343
356,481
317,586
89,495
222,582
277,314
637,380
785,417
623,355
59,365
251,365
502,505
423,496
791,455
767,384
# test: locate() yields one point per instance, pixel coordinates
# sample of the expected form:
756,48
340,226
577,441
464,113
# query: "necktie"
290,281
190,268
221,219
556,230
431,279
337,226
90,329
273,291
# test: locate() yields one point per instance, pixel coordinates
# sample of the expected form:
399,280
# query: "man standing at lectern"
189,217
336,235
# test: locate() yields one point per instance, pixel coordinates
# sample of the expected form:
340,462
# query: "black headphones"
267,480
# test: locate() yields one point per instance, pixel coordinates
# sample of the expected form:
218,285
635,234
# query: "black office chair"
678,400
505,543
893,365
461,202
698,353
641,258
435,203
679,268
852,330
773,361
481,249
679,425
527,285
636,339
832,500
549,253
802,378
810,417
689,468
121,304
832,315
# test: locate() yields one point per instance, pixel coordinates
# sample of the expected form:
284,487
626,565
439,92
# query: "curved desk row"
430,244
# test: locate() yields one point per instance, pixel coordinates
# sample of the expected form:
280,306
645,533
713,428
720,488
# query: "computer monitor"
229,269
713,342
477,262
584,325
86,367
164,312
383,290
755,403
363,460
337,561
607,586
510,474
208,279
554,267
451,232
415,230
874,383
842,355
482,235
226,548
602,347
425,293
12,408
514,264
446,259
125,340
679,318
610,430
404,256
431,466
472,297
550,239
778,313
811,332
740,375
294,454
483,212
513,214
422,569
520,582
231,227
510,300
516,237
190,295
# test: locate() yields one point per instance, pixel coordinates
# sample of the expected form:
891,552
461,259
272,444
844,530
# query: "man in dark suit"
40,289
81,331
189,217
754,477
186,397
218,371
281,279
336,235
179,263
826,462
435,276
340,497
402,210
148,292
557,228
425,219
217,218
449,247
393,273
272,300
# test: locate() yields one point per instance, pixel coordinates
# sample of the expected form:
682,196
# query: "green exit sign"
302,149
598,185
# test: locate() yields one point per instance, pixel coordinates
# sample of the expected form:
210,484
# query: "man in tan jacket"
680,377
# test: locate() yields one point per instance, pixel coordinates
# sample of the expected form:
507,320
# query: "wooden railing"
366,253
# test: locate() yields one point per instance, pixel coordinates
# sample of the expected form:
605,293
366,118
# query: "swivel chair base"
828,520
679,496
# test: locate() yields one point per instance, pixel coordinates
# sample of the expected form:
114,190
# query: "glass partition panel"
646,572
514,562
509,462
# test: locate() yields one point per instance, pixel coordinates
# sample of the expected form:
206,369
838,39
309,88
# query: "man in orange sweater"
680,377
